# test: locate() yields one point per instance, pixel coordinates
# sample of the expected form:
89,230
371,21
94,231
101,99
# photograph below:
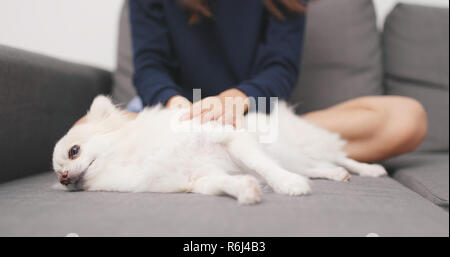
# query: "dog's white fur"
145,155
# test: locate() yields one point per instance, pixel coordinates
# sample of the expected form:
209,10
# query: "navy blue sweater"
243,47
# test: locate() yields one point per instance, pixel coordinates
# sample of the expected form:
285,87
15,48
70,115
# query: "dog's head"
76,152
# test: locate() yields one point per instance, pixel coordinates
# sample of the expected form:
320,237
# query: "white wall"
78,30
385,6
86,30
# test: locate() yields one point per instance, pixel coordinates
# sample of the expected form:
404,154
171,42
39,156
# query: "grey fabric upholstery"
416,61
123,89
424,173
40,98
341,56
29,207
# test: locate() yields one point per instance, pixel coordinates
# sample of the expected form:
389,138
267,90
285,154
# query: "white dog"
112,152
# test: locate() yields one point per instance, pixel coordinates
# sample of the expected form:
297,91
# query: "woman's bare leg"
376,127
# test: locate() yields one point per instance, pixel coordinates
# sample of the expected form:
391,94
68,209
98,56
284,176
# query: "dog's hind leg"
248,152
244,188
362,169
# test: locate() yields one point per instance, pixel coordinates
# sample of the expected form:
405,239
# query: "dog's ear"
101,107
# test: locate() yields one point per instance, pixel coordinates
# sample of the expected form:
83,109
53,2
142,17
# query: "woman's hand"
178,102
228,108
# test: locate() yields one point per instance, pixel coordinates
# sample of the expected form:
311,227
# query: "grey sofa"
345,56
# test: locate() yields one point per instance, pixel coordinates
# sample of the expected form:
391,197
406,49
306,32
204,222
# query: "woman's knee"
408,122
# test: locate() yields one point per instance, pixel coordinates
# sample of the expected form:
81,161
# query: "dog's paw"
250,193
291,184
340,174
373,170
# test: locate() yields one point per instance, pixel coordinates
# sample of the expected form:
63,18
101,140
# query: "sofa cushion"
341,56
123,89
425,173
29,207
416,61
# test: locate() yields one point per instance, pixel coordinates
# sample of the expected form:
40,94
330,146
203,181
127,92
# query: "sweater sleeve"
153,57
277,63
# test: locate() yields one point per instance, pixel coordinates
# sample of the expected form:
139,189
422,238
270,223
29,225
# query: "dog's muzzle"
64,178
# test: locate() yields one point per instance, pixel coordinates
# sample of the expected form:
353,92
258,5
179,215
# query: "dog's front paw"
373,170
250,192
340,174
291,184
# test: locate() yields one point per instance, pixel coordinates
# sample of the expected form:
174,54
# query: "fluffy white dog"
156,152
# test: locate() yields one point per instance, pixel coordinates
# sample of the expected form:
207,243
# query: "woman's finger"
228,119
186,116
220,120
197,109
207,116
205,105
238,122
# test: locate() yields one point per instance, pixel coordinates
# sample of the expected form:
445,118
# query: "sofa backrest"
341,56
416,62
123,90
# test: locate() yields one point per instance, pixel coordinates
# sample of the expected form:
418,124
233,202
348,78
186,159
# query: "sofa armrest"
40,98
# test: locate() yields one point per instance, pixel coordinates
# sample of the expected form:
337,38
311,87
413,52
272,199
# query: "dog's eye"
74,151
